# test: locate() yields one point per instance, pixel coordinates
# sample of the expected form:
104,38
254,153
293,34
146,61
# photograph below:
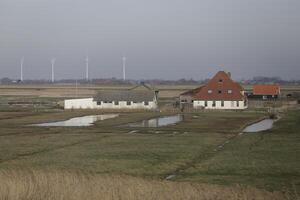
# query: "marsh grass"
54,185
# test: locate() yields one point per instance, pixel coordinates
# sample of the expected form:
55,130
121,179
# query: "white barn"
140,97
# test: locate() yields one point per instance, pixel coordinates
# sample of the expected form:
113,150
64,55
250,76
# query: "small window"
205,103
98,103
229,91
146,103
245,103
220,80
209,91
220,91
222,103
214,104
128,103
237,103
116,103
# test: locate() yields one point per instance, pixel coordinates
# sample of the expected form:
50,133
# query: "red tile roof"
220,86
266,89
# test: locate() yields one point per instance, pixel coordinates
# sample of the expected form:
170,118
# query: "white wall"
89,103
227,105
123,105
79,103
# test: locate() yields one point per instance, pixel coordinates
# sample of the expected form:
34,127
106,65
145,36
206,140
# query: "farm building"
221,92
140,97
188,97
265,92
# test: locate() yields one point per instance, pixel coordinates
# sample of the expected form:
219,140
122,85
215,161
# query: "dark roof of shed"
125,95
192,92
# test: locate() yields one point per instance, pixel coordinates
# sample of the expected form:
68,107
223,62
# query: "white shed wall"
227,105
79,103
89,103
123,105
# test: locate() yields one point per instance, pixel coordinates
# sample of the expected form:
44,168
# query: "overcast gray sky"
167,39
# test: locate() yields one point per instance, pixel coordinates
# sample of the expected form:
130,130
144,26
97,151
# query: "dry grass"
38,185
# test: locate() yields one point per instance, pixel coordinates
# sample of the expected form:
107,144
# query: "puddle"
79,121
158,122
259,126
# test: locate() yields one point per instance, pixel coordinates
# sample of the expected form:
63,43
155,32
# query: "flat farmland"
166,91
205,148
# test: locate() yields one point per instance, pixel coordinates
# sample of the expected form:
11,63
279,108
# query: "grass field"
111,153
57,185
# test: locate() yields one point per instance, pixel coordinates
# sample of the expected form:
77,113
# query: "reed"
67,185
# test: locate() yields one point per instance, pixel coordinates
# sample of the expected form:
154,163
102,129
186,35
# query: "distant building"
221,92
188,97
140,97
265,91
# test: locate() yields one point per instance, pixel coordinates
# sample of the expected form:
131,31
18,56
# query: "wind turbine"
21,68
52,69
124,67
87,68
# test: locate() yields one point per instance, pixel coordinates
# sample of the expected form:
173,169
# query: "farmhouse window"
220,91
98,103
128,103
209,91
237,103
222,103
146,103
229,91
220,80
205,103
214,104
116,103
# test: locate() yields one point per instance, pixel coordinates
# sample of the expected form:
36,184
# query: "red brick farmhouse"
221,92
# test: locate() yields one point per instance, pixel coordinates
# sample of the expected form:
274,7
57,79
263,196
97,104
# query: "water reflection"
80,121
259,126
158,122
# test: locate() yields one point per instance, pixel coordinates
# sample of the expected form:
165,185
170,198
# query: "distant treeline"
115,81
270,80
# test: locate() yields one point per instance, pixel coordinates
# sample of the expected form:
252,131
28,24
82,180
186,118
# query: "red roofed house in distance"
265,91
221,92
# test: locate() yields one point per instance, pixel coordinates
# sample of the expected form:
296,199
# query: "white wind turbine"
124,67
52,69
21,69
87,67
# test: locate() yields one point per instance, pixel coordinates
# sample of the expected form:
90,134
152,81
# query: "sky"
161,39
